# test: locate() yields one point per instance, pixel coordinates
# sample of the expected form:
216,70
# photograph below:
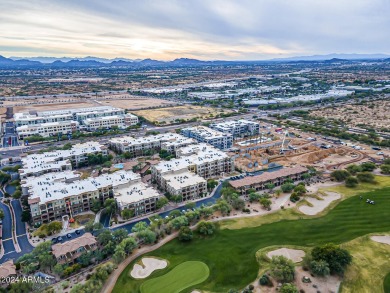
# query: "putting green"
183,276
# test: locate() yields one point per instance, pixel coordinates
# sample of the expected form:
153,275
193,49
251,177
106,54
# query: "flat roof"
181,179
134,192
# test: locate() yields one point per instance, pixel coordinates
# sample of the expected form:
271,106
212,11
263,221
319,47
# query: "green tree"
319,268
270,186
339,175
223,206
282,269
185,234
205,228
104,237
368,166
119,254
211,184
26,216
385,168
85,259
54,227
300,190
351,181
147,236
127,214
288,288
110,206
366,177
337,258
265,202
178,222
353,169
96,205
190,205
238,203
119,235
162,201
287,187
129,244
140,226
59,269
253,196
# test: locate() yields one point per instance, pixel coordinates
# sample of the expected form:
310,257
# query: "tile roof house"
71,250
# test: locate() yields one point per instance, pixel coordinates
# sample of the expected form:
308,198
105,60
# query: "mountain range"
90,61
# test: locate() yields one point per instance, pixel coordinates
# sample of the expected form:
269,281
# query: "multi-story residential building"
50,197
62,160
260,182
120,121
185,183
137,196
237,128
138,146
216,138
203,160
49,123
47,129
69,251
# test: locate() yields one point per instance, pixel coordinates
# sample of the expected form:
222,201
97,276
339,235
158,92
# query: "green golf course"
181,277
230,254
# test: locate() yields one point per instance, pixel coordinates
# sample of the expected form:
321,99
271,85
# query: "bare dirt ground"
169,115
374,114
150,264
295,255
135,103
317,204
53,107
381,239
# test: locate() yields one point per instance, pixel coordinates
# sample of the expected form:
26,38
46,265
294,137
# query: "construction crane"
282,149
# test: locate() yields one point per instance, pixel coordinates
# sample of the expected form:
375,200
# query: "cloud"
217,29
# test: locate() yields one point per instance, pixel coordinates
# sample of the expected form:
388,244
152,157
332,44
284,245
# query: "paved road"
8,243
9,133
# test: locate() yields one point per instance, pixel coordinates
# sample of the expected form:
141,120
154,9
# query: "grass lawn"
230,254
386,283
370,264
181,277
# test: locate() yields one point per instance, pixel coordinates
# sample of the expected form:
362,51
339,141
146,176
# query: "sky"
202,29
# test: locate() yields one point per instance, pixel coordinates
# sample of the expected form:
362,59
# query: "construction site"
259,154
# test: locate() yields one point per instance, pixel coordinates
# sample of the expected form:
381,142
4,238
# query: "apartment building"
137,196
260,182
216,138
237,128
48,123
52,196
69,251
138,146
185,183
47,129
121,121
61,160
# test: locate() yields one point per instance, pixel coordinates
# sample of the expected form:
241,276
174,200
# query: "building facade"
237,128
213,137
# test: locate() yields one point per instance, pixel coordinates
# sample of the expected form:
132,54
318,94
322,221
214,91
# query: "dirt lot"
374,114
168,115
52,107
136,103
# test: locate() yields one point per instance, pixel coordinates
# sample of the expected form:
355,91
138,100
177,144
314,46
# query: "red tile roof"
267,176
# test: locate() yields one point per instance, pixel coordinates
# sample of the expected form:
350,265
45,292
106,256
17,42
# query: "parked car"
78,232
59,239
69,235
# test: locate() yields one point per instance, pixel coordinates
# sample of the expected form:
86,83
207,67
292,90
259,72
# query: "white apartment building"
53,195
121,121
185,183
216,138
61,160
32,119
137,196
137,146
237,128
47,129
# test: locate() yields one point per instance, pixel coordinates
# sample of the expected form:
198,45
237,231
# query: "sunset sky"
202,29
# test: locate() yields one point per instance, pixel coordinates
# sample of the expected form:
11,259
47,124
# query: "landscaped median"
231,254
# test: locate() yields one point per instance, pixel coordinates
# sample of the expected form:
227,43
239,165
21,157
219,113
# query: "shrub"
288,288
282,269
185,234
351,181
265,281
340,175
366,177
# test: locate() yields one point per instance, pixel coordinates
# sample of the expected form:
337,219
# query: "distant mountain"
97,62
48,60
334,56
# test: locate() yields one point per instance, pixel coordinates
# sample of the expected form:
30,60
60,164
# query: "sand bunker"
381,239
319,205
150,265
294,254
